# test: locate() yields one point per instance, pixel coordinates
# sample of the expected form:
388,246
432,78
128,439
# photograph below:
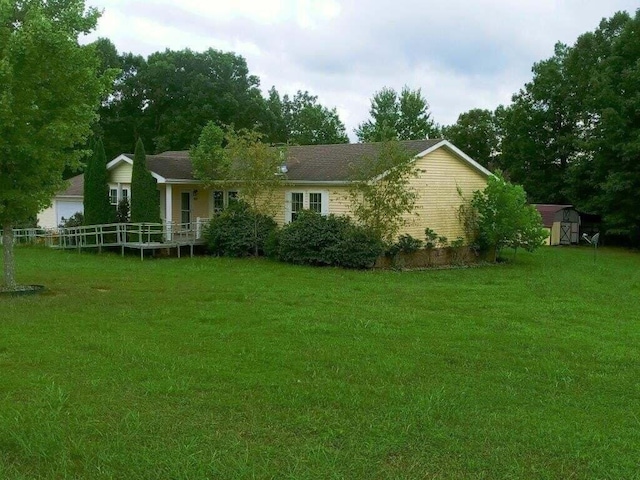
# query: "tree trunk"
9,276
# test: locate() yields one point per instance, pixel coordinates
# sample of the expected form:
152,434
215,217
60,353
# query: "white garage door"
66,208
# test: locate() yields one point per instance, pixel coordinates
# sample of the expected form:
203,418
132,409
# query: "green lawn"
217,368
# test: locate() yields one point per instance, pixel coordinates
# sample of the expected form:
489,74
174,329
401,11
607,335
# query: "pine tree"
145,201
97,207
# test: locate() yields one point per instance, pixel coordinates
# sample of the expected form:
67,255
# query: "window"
118,193
185,207
221,200
297,204
218,202
316,201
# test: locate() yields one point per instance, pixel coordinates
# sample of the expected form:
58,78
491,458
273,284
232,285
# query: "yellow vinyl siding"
121,173
199,202
339,203
441,173
338,199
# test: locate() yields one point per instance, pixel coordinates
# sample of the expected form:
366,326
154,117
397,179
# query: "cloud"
462,54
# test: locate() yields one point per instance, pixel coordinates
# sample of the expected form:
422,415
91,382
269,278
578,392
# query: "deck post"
169,230
168,215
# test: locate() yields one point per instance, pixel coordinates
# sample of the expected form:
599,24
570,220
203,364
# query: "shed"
562,222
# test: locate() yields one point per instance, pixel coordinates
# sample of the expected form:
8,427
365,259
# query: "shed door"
575,233
565,233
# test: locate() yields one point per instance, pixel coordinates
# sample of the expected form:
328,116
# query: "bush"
431,238
75,220
313,239
239,232
405,244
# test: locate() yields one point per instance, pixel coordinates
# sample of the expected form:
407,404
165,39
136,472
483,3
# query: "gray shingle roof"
330,163
173,165
305,163
75,188
311,163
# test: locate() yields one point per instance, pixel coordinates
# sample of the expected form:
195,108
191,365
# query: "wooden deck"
133,236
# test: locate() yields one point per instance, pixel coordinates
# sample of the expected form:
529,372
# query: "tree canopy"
50,89
476,134
571,134
403,117
309,123
170,96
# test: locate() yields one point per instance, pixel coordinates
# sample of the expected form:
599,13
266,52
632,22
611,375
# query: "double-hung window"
297,204
218,202
116,194
221,199
296,201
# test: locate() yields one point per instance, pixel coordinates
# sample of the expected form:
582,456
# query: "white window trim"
120,188
225,199
182,210
305,202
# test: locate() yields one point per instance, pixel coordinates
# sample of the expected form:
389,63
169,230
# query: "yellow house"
316,178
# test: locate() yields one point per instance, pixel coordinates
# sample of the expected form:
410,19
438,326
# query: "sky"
461,54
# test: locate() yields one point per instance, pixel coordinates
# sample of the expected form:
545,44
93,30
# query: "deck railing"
115,234
30,235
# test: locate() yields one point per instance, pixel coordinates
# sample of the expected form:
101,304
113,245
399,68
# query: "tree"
245,163
49,93
605,177
186,89
123,118
301,120
540,131
309,123
381,195
571,134
504,219
274,125
97,206
145,201
403,117
475,133
170,96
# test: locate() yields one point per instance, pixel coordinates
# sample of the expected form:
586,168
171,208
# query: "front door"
185,208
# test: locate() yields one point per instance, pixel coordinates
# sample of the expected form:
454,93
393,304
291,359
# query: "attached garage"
64,205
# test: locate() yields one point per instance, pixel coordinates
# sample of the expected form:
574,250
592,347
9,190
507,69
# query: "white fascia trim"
118,160
315,182
68,197
458,152
180,181
123,158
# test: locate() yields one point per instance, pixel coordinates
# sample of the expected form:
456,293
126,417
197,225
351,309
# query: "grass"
219,368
